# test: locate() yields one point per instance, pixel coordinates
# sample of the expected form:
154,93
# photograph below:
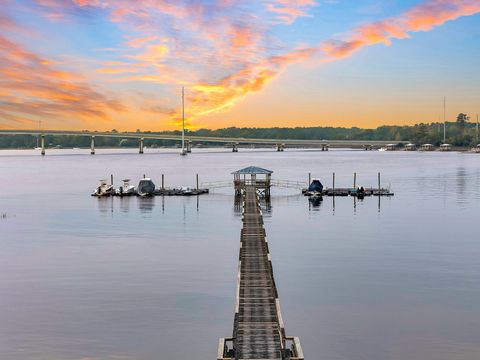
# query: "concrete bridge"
280,144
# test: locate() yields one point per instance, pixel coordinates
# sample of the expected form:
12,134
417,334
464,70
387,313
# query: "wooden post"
42,141
92,145
111,179
355,180
140,149
379,183
309,178
197,181
333,181
163,181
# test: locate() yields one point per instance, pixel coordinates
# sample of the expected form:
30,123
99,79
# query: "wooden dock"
258,331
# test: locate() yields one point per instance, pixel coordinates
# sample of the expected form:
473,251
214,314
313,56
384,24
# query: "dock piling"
197,182
354,180
309,178
163,181
140,146
111,179
333,182
379,187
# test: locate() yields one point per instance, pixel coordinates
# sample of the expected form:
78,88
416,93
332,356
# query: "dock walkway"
258,331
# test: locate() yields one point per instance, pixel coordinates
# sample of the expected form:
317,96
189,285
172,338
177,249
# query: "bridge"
258,328
190,139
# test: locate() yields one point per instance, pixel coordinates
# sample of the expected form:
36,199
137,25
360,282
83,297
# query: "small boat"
315,189
126,189
146,187
103,189
185,190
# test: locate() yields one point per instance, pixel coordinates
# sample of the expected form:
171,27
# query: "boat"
126,189
103,189
445,147
186,190
315,189
146,187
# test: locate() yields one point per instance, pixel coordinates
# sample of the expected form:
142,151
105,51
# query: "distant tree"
462,119
114,130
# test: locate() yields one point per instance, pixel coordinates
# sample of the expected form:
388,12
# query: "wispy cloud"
288,11
224,94
220,50
32,87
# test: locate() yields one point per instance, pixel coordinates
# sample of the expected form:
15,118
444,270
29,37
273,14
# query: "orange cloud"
219,51
423,17
289,10
36,89
221,96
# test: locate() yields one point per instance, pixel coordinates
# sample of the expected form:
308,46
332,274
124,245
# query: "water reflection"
125,203
146,204
314,203
461,179
105,205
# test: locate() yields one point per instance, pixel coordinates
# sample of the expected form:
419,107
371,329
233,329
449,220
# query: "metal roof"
253,170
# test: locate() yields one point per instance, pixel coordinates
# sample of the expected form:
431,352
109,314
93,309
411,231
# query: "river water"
83,278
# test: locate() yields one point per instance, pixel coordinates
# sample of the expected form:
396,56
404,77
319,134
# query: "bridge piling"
92,145
42,144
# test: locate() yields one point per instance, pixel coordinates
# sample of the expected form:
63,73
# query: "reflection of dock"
258,331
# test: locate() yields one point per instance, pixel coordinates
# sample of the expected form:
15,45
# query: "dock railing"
292,349
274,182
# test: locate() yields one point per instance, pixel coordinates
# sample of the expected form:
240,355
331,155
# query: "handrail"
292,184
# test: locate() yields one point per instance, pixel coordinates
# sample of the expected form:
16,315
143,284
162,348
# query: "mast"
183,119
444,119
477,129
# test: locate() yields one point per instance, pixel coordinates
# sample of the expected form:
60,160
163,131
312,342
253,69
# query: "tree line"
458,133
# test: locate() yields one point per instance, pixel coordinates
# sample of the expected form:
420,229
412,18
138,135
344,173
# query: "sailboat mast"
183,118
477,129
444,119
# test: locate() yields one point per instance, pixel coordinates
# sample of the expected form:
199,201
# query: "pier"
258,329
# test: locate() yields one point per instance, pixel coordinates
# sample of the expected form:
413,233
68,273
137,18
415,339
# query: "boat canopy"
315,186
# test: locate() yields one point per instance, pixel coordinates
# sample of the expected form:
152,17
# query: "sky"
121,64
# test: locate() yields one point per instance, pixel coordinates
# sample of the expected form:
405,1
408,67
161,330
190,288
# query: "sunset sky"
104,64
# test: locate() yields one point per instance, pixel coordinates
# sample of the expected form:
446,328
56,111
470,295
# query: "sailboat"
184,151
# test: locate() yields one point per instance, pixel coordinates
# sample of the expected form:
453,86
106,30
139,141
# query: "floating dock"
353,192
258,330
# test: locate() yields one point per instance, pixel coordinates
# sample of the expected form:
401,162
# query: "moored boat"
126,189
103,189
146,187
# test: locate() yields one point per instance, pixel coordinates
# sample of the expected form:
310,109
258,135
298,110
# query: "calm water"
148,279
